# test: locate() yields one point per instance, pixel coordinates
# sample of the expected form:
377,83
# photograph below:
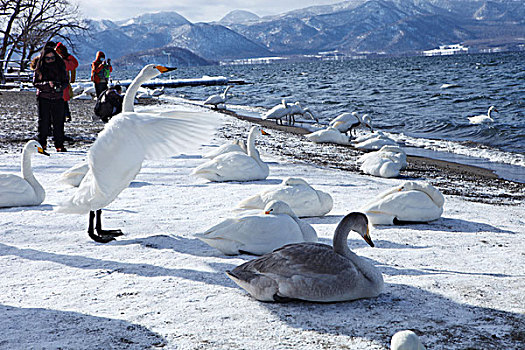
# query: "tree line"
26,25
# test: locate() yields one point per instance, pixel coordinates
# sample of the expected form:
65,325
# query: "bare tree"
38,21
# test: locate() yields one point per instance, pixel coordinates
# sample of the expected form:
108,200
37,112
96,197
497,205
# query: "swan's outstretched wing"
117,155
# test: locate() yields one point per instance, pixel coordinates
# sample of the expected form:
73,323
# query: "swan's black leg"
96,237
100,231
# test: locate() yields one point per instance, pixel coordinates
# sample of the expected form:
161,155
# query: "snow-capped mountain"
353,27
238,16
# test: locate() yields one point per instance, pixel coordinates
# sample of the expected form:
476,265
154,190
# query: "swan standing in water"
313,271
411,202
259,234
298,194
16,191
116,157
406,340
236,166
478,119
218,99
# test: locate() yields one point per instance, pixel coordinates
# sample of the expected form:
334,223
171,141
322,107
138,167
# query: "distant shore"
18,118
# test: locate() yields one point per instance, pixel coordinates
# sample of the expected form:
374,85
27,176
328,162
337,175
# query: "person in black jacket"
50,79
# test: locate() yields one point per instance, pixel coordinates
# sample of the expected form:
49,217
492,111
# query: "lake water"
423,101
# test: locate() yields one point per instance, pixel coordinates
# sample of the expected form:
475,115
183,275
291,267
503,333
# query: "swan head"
291,181
357,222
150,71
406,340
257,128
35,147
278,207
285,105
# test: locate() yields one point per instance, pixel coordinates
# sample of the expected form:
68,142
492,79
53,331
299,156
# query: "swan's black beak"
41,151
367,238
163,69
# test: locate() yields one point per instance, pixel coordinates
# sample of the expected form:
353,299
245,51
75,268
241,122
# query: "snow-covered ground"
458,282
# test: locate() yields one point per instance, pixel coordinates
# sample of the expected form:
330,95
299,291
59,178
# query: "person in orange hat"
100,71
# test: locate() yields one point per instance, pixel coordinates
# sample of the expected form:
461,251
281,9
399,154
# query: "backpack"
103,109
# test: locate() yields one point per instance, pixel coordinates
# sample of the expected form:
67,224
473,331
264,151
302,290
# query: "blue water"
402,95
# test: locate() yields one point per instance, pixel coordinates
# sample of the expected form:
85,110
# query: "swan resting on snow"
235,146
116,157
387,162
373,142
16,191
236,166
259,234
304,200
313,271
406,340
411,202
329,135
478,119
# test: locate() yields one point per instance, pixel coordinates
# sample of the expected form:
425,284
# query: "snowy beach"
457,282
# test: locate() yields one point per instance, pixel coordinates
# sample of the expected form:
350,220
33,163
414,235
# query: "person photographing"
100,72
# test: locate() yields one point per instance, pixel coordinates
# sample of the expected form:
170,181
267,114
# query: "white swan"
313,271
235,166
329,135
478,119
235,146
218,99
298,194
410,202
259,234
406,340
345,122
74,175
373,141
126,141
278,112
296,109
16,191
387,162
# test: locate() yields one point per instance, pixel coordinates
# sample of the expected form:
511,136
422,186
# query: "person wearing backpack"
100,71
109,103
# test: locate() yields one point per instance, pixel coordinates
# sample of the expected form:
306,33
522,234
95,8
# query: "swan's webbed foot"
112,233
100,238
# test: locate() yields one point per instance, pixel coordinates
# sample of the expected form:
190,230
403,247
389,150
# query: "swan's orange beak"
267,212
264,132
367,238
163,69
41,151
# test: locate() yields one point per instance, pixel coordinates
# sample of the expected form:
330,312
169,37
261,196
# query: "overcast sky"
193,10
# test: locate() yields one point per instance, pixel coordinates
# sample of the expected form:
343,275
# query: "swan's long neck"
129,97
489,113
340,244
27,174
225,92
252,151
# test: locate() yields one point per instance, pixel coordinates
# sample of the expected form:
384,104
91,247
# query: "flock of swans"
292,264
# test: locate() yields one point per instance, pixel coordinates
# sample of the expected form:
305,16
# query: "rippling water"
425,99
